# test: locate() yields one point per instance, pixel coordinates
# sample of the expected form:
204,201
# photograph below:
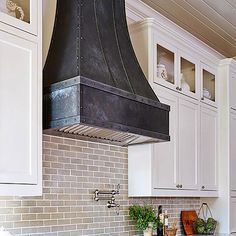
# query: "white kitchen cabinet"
233,215
176,161
209,82
21,110
233,91
27,9
175,62
165,157
18,106
172,168
224,207
180,66
209,144
188,144
179,69
156,164
188,75
233,151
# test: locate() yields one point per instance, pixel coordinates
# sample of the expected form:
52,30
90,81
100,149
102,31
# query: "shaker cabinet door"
233,151
208,154
232,91
233,215
19,110
188,144
165,161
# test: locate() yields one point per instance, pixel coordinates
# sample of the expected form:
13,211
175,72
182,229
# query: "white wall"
49,9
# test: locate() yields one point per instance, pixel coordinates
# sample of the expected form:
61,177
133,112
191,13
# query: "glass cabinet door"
165,67
208,90
21,14
188,81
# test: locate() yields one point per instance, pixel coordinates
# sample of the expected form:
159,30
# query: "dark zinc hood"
94,87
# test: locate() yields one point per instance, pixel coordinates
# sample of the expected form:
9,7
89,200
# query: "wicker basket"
205,223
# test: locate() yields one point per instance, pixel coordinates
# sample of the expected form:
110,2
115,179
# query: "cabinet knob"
203,187
177,186
181,186
180,89
202,98
177,88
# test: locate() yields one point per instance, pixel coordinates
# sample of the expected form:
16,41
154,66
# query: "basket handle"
205,209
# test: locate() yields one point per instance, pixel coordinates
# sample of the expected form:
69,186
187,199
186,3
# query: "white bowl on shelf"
206,93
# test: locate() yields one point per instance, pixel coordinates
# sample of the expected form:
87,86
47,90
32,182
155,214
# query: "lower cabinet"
173,168
20,120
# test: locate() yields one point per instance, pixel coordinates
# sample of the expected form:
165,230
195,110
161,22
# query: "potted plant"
144,217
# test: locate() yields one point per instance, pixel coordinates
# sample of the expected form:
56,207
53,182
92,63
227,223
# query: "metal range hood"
94,87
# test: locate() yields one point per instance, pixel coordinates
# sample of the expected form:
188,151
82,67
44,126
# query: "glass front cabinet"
177,70
175,64
208,84
20,14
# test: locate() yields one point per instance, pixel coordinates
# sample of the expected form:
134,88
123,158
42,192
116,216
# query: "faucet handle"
117,191
118,188
117,209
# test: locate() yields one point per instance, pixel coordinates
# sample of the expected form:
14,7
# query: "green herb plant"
143,216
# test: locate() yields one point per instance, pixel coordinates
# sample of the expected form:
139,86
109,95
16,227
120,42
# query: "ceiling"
212,21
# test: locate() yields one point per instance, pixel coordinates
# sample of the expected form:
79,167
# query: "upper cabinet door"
188,75
19,109
233,91
20,14
188,144
208,154
165,70
176,69
232,151
165,163
209,85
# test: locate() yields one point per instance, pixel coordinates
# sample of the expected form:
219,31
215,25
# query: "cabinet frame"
163,43
32,176
31,27
178,54
190,58
31,37
205,66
